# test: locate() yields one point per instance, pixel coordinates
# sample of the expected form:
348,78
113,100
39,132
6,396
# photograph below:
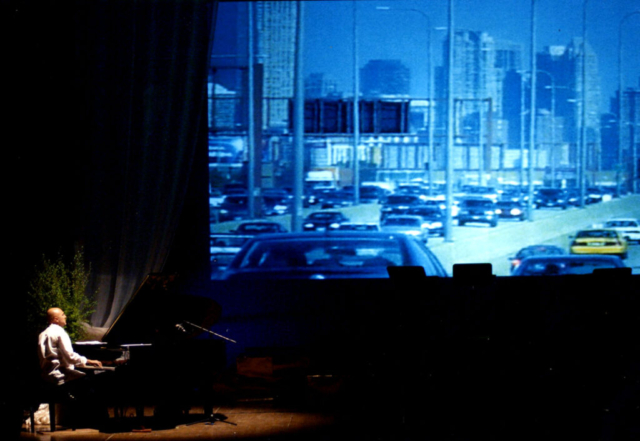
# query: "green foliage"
61,284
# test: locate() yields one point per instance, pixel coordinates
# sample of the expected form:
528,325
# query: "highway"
479,243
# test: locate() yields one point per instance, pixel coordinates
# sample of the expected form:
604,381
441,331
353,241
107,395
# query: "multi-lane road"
479,243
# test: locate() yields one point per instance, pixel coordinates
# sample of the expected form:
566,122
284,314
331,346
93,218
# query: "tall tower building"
475,76
274,52
385,77
318,85
275,36
565,64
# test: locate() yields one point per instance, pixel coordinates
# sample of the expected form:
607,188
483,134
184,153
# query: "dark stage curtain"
108,138
144,66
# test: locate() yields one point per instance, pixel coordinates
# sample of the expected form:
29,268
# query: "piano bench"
51,395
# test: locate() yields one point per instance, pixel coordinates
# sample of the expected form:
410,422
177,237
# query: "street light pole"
522,121
621,124
583,110
448,227
298,122
251,138
356,110
532,119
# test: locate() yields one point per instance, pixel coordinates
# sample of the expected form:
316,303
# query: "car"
629,228
324,220
565,265
513,195
258,227
481,210
412,225
336,199
599,241
551,198
222,250
329,255
479,191
432,218
275,205
535,250
399,204
370,194
234,208
511,210
359,226
595,195
215,197
573,197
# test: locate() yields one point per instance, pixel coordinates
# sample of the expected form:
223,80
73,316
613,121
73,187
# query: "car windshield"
401,199
474,203
323,216
358,227
614,224
257,228
236,200
318,253
528,252
563,267
550,192
596,234
426,211
402,221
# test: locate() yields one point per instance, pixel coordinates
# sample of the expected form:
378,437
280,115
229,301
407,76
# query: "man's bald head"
56,316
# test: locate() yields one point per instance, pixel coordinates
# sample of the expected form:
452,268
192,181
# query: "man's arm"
66,350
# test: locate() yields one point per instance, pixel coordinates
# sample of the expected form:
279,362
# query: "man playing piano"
57,357
58,363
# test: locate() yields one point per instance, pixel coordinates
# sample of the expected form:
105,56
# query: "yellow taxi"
599,241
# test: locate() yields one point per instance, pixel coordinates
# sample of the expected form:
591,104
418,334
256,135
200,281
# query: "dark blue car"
330,255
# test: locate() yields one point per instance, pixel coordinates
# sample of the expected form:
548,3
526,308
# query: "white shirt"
57,357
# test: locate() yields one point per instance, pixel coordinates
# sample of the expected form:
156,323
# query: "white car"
407,224
628,227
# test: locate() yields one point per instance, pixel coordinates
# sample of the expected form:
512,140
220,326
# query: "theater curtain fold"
141,78
105,139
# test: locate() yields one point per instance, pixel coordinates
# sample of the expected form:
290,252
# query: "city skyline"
329,34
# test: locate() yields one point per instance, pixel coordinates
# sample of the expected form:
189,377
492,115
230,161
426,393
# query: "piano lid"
156,310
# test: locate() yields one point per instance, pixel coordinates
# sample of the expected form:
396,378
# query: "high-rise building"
273,55
476,79
318,85
565,65
385,78
275,35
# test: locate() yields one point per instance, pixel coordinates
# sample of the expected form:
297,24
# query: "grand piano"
159,350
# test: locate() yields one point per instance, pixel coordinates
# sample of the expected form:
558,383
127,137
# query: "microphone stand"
210,332
211,419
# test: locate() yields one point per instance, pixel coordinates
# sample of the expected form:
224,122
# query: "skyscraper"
385,77
564,63
273,50
275,36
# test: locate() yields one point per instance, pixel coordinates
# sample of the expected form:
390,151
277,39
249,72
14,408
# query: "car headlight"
414,232
334,225
489,212
515,212
498,211
309,225
223,211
